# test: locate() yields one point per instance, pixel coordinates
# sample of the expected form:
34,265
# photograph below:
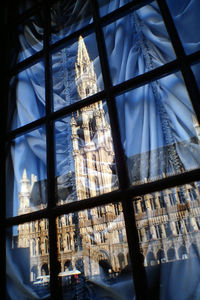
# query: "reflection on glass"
27,96
186,19
68,17
26,173
94,255
147,48
159,130
84,154
76,72
27,260
27,39
168,224
107,6
196,71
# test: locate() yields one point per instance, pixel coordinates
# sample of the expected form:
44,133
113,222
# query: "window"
100,148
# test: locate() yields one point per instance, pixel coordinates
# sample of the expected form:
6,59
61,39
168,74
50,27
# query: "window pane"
196,71
26,39
26,173
84,154
159,130
107,6
26,96
27,261
76,72
147,48
186,18
168,224
68,17
94,255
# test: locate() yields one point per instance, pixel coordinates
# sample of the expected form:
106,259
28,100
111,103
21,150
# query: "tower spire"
24,194
91,136
85,74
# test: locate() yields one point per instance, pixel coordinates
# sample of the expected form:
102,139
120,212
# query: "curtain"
156,120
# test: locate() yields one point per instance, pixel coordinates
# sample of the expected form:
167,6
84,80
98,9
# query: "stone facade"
92,241
168,224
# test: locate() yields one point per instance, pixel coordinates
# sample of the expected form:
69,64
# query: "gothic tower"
24,194
91,135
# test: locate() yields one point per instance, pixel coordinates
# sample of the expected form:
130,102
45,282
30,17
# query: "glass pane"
26,173
27,261
168,224
196,71
76,72
94,254
84,154
147,48
68,17
26,39
107,6
186,18
159,130
26,96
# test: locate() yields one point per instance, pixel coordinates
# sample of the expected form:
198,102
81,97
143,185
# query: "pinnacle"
24,175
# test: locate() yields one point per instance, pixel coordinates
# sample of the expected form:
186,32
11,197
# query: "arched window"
161,255
150,258
39,246
152,202
158,231
44,269
89,214
34,273
60,243
117,210
102,237
46,224
46,245
59,222
121,260
99,211
92,128
87,91
68,241
33,226
121,236
33,244
92,239
171,254
182,252
67,219
68,265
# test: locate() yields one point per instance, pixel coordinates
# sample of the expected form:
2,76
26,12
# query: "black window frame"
126,193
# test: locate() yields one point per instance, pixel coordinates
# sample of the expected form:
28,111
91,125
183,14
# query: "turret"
24,194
